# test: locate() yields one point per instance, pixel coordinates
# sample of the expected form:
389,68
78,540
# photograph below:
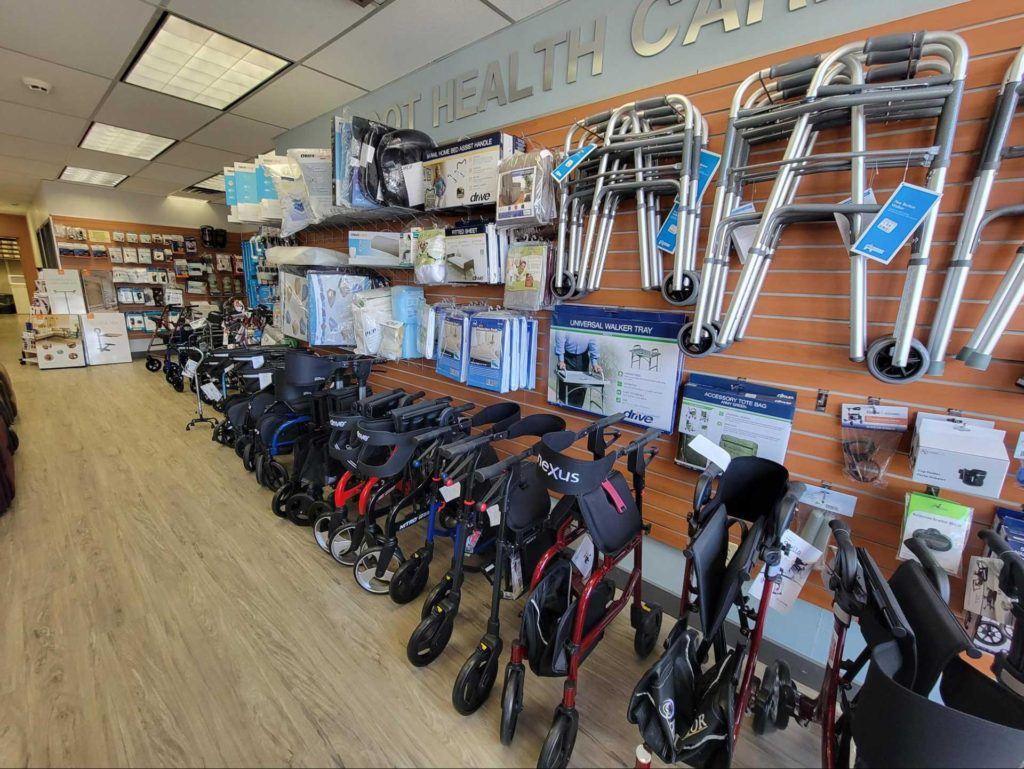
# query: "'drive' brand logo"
636,416
558,473
361,436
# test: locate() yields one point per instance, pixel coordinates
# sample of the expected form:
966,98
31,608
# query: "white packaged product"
392,333
430,265
427,331
526,276
316,168
369,310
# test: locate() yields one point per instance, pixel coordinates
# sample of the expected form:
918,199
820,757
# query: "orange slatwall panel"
798,338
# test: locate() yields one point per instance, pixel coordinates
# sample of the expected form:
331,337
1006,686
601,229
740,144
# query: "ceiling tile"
20,147
39,169
95,36
140,109
165,173
297,97
13,179
32,123
149,186
520,9
237,134
291,29
104,161
404,36
190,155
71,92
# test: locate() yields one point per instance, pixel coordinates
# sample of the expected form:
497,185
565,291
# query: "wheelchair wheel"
409,580
240,442
365,570
278,505
511,701
343,546
431,636
274,474
476,679
647,631
561,739
298,507
321,515
178,383
13,441
258,466
153,364
771,706
249,457
439,592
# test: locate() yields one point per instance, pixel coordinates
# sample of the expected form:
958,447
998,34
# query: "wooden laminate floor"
153,612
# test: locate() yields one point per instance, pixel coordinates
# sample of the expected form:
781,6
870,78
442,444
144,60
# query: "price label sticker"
211,391
454,491
494,514
583,558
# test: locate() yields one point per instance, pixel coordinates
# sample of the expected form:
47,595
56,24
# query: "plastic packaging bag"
526,191
392,334
871,435
430,266
315,167
526,276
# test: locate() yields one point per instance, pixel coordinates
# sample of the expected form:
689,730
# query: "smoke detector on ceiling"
36,85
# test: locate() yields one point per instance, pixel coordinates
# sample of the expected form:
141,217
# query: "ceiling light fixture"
123,141
195,63
214,184
89,176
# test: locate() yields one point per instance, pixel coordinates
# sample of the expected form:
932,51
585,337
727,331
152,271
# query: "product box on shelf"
375,249
465,173
942,524
960,457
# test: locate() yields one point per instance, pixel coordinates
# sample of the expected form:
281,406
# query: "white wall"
63,199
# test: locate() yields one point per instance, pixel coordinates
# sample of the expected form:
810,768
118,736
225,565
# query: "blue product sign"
567,166
230,193
265,188
669,232
893,226
245,187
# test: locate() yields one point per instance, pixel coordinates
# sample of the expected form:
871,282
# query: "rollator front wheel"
343,545
686,295
648,630
279,503
439,592
705,344
409,580
476,679
153,364
430,638
772,700
274,474
322,514
511,701
880,357
561,739
299,507
365,570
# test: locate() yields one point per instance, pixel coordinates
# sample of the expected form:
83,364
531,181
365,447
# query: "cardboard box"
965,458
465,173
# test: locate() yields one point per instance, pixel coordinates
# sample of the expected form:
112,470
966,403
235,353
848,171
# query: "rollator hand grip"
894,42
600,117
600,424
846,561
489,473
460,448
795,66
936,574
995,543
652,433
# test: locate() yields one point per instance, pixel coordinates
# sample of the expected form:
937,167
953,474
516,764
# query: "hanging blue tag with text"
668,234
893,226
568,165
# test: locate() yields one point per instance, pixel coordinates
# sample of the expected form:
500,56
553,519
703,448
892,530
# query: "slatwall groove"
798,338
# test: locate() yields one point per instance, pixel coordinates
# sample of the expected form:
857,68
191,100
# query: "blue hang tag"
669,232
568,165
893,226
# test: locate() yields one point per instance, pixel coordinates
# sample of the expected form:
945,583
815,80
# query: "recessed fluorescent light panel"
122,141
214,184
195,63
88,176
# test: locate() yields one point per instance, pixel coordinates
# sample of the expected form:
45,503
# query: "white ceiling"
82,48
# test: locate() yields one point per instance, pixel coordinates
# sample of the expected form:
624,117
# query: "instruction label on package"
567,166
828,500
668,235
797,563
896,222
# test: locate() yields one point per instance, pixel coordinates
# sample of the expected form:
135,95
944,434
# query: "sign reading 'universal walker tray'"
604,361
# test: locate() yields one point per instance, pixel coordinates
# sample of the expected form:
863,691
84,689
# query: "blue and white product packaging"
605,361
468,252
330,307
465,173
743,418
315,166
893,226
491,351
453,346
266,189
230,194
247,192
405,308
374,249
569,164
668,234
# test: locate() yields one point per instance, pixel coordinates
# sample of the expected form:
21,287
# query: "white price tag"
828,500
266,380
711,451
583,558
454,491
189,370
517,576
211,391
494,514
256,361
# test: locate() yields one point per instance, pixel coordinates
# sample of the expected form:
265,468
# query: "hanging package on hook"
429,263
871,435
526,193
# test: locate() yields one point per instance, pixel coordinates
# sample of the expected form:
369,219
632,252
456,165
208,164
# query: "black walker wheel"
321,514
686,295
430,638
773,699
298,507
410,579
476,678
278,505
880,361
437,594
511,701
704,346
647,631
568,288
345,544
561,739
153,364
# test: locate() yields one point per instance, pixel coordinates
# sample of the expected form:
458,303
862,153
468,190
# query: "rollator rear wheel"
279,503
772,700
476,679
409,580
321,515
648,631
431,636
299,507
560,741
511,701
343,546
153,364
704,346
686,295
880,361
365,570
